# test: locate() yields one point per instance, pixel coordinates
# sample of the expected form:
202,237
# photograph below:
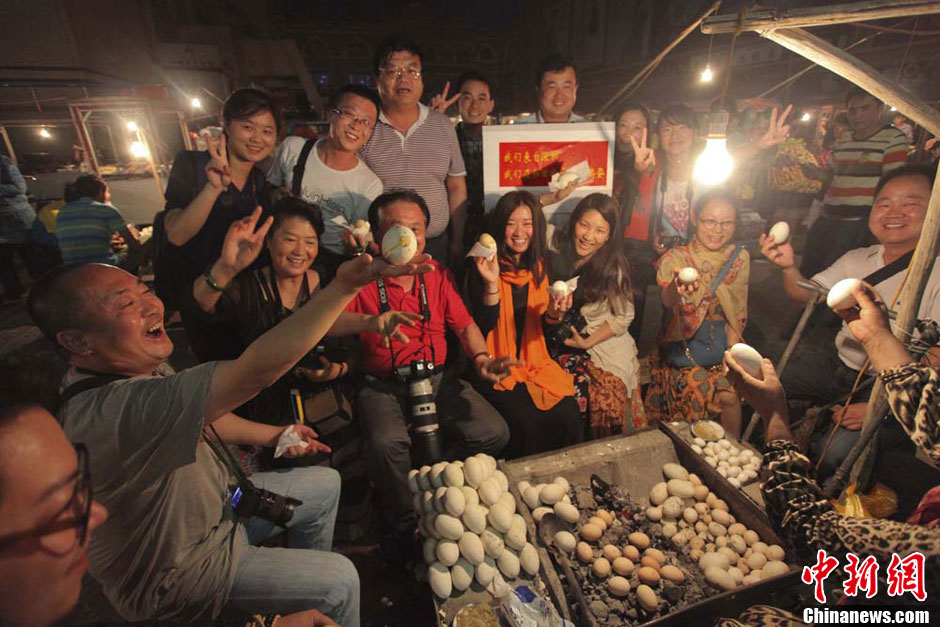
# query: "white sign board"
526,156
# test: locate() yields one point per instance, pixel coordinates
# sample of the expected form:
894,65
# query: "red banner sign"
532,164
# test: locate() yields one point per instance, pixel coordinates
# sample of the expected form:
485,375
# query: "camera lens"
425,430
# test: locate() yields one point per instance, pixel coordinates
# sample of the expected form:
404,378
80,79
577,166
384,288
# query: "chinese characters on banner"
903,575
525,156
531,164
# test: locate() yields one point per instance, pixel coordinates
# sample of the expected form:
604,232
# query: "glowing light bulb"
195,103
894,108
44,133
715,164
139,150
132,126
707,74
806,117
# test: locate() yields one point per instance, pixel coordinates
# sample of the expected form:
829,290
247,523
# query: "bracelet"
496,293
207,277
473,359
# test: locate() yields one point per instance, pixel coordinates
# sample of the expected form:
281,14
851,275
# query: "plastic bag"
881,502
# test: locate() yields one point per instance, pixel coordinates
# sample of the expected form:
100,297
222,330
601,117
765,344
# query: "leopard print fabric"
805,518
762,616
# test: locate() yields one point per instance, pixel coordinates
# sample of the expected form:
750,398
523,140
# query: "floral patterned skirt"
684,393
602,398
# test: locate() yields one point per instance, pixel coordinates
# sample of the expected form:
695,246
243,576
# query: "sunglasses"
79,504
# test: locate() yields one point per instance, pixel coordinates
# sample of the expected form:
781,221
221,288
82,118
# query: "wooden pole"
609,105
762,19
868,78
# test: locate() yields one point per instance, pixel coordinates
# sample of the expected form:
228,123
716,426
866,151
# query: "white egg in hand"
748,358
559,289
399,245
486,240
840,296
688,275
780,232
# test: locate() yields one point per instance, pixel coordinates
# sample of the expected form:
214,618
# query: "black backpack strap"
889,270
84,385
300,166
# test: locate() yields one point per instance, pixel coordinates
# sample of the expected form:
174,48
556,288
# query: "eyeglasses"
351,118
79,504
713,224
413,72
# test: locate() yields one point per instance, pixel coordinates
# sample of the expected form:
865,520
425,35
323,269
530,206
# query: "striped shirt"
857,166
84,228
421,160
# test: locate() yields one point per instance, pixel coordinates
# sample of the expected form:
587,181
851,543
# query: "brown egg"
601,567
673,574
639,539
648,575
656,554
610,552
647,598
600,522
623,566
618,586
584,552
590,532
649,562
606,516
631,553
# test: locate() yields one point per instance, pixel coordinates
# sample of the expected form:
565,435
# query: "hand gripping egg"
486,240
840,296
748,358
688,275
399,245
360,228
780,232
567,178
559,289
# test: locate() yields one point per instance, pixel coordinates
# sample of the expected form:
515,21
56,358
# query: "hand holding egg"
399,245
686,280
765,394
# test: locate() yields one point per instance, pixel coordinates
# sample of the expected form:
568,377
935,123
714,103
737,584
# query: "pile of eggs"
698,523
738,464
471,529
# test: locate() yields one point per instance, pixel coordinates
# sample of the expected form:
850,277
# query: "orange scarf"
545,380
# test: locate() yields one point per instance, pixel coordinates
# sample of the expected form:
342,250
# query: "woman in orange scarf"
510,303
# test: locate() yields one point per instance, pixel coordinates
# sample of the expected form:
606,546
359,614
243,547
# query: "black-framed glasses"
79,504
411,71
352,119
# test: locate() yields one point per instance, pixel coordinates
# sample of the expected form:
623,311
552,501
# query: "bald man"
173,548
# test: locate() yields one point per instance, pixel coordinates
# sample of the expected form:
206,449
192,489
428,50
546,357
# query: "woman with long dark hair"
511,304
598,351
208,191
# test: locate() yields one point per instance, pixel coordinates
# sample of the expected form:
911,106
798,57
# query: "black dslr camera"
557,334
424,426
249,500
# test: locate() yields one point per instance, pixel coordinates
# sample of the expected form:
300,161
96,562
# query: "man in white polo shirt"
331,175
896,221
556,87
414,147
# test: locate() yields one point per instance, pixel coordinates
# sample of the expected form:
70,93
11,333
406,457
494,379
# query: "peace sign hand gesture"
440,102
217,170
243,243
645,157
778,130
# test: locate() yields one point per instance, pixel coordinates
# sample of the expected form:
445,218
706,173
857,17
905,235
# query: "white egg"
461,574
749,359
470,495
500,518
474,518
448,526
471,547
399,245
551,493
509,564
780,232
508,501
424,481
562,482
486,240
566,178
538,512
529,558
493,544
840,295
485,571
700,442
675,471
474,472
531,497
567,512
559,289
500,479
516,536
489,492
413,481
688,275
439,577
453,501
453,475
565,541
522,486
447,552
437,474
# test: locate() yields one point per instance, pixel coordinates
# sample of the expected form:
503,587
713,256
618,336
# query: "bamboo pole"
868,78
762,19
642,74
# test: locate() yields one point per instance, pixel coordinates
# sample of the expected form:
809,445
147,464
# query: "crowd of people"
282,295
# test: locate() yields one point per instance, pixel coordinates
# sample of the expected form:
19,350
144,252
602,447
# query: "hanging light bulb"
806,116
44,133
132,126
196,103
715,164
139,150
707,74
